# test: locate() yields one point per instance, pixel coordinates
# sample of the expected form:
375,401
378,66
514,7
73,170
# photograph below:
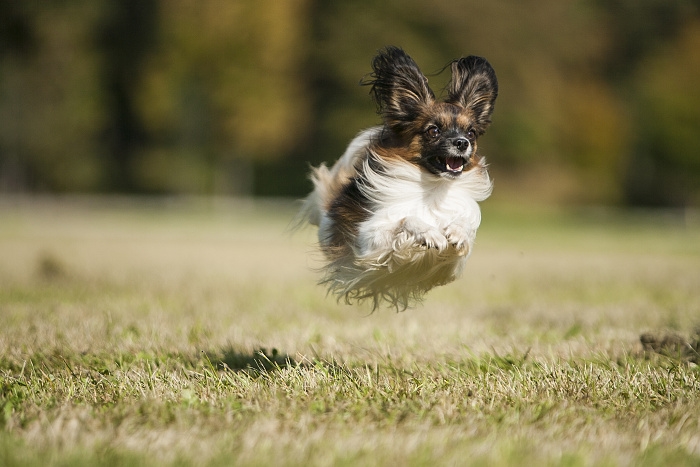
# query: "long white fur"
419,233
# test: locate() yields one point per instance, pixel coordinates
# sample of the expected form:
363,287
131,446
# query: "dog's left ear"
474,86
399,88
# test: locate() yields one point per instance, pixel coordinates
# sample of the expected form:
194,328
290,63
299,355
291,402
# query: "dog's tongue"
455,164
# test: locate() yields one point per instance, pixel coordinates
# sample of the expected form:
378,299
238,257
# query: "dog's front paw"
414,232
460,236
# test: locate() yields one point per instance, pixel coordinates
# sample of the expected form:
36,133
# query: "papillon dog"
397,214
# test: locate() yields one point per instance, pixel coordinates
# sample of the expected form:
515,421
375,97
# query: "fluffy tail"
329,182
315,204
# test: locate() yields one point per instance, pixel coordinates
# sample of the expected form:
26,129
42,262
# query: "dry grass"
192,332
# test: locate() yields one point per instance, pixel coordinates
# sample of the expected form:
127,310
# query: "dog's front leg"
460,234
412,232
387,242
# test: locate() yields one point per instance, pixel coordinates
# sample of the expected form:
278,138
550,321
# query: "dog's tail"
316,203
328,183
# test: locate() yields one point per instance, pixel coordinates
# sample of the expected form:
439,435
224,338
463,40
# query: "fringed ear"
474,86
399,88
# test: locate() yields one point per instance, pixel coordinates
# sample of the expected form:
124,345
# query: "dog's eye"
433,131
471,135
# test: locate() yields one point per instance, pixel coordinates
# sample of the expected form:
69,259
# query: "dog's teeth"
454,164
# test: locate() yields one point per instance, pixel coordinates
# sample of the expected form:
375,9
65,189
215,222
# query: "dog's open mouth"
453,165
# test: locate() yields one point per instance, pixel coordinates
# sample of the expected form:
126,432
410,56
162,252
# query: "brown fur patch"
464,120
408,153
347,211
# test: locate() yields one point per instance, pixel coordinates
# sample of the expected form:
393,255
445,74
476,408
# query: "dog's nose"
461,143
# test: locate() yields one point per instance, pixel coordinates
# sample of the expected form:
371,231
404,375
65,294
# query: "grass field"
192,332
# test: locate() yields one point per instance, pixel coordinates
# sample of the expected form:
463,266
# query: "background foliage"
599,100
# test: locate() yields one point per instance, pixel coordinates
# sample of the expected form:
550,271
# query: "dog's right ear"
474,86
399,88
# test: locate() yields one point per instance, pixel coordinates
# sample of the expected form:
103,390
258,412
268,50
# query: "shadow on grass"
260,360
673,345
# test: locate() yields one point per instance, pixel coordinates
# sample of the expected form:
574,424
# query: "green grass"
192,332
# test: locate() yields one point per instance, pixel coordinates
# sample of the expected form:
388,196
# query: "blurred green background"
599,101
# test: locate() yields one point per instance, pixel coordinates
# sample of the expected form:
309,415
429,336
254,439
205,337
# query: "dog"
397,214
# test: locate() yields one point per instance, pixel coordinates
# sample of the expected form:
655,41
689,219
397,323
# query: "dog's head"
439,136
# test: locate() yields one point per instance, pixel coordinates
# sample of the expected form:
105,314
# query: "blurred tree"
49,103
636,27
225,88
126,32
649,61
597,99
663,167
17,41
16,35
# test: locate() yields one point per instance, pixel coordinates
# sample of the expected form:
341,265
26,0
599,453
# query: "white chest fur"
405,199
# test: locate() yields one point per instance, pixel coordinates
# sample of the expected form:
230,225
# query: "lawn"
169,331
